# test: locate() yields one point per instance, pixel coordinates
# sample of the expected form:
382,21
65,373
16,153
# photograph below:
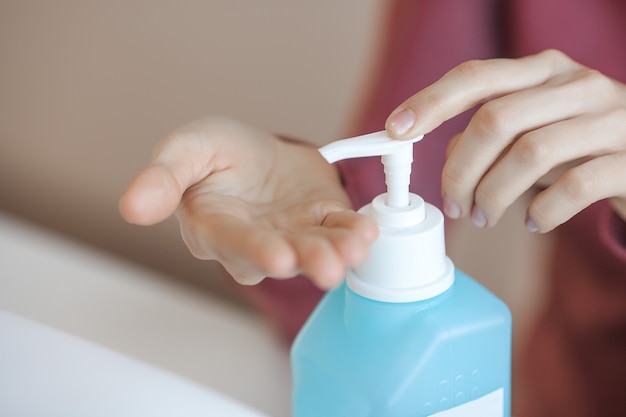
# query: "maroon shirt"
575,361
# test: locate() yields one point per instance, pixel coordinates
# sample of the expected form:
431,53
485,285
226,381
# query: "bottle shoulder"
465,300
466,311
456,345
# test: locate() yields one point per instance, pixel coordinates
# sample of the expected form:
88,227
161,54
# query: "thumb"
179,161
152,196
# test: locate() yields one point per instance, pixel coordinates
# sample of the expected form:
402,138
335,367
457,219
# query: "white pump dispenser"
408,261
406,334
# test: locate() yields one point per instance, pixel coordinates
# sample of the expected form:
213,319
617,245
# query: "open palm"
259,205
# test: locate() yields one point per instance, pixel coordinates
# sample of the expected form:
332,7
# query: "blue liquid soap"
406,334
361,357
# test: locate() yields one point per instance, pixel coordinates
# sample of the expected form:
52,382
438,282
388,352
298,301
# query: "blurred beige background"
87,88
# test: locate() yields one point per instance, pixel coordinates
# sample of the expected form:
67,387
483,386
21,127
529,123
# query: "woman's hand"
259,205
543,119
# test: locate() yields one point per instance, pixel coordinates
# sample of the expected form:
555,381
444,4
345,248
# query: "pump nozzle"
396,156
408,261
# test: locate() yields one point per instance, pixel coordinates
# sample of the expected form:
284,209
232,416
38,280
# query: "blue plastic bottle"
406,334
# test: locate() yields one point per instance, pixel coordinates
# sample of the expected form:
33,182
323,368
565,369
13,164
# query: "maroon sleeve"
575,361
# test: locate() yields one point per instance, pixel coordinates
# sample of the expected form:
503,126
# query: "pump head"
396,156
408,261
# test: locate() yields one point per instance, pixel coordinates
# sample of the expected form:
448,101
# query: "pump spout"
396,156
397,168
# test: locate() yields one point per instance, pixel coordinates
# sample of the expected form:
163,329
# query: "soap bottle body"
448,356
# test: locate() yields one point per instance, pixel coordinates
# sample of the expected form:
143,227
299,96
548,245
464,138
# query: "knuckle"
494,118
472,69
613,121
453,179
488,197
432,101
540,215
594,82
579,184
558,61
532,149
554,55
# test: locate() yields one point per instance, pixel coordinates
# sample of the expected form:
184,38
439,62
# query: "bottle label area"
490,405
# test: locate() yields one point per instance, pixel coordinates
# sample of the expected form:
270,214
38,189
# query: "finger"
364,227
538,152
247,251
250,252
452,144
598,179
324,252
498,124
317,258
469,84
350,248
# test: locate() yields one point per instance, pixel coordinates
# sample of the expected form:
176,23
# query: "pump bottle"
406,334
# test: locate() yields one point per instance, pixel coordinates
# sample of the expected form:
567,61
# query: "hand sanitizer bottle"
406,334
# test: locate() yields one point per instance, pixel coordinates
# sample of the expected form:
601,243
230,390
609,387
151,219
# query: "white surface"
44,372
57,282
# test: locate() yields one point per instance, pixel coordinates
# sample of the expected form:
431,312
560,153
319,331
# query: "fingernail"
402,121
478,217
451,208
530,225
